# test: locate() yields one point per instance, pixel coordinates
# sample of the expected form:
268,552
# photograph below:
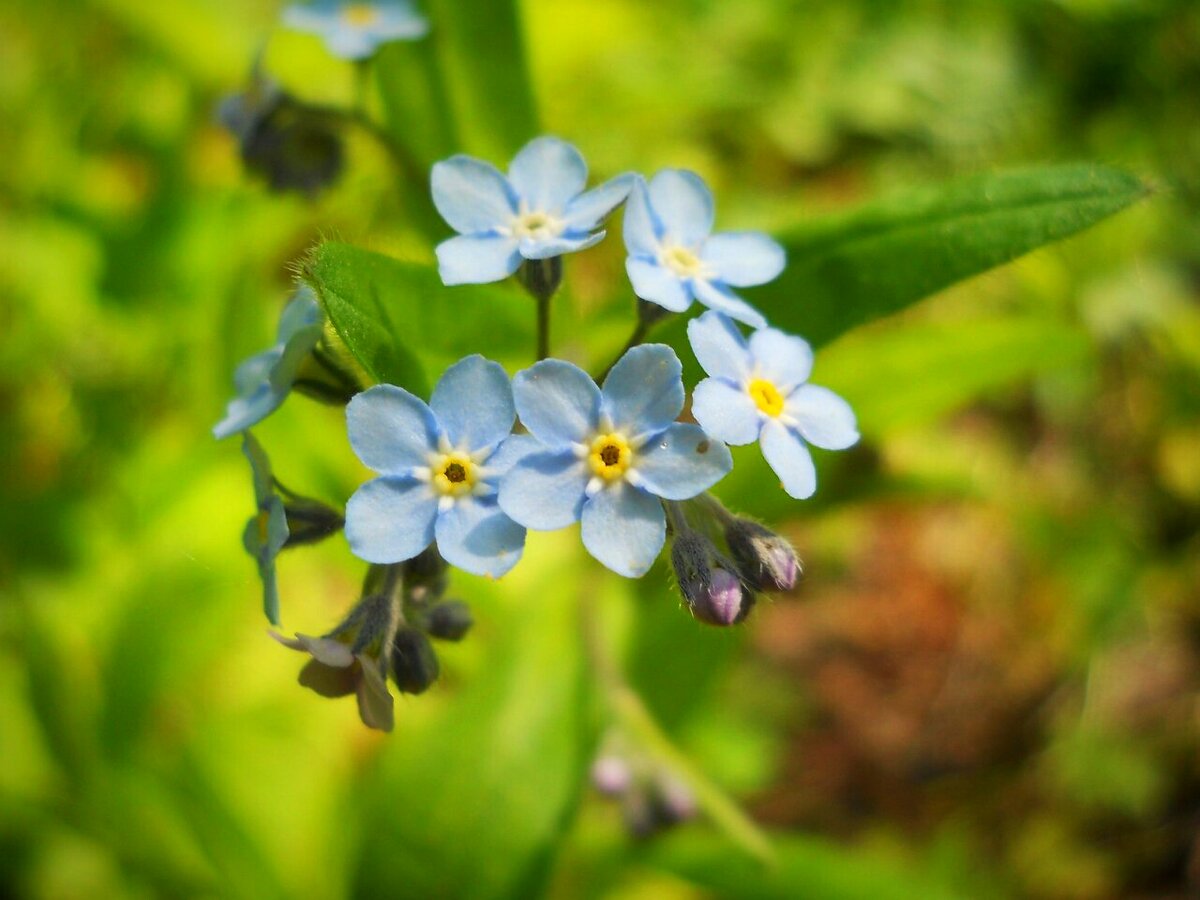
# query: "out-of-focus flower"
356,30
608,456
264,380
674,258
337,670
539,211
439,466
759,391
267,531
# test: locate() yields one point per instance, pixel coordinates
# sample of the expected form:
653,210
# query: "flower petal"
243,412
295,352
544,490
624,528
508,454
785,359
301,312
374,699
787,455
558,402
641,228
588,210
683,205
329,681
472,195
547,173
743,258
307,17
391,430
717,296
473,403
255,371
399,21
682,462
643,393
260,469
350,43
719,346
824,418
478,537
726,412
390,519
657,284
477,258
545,248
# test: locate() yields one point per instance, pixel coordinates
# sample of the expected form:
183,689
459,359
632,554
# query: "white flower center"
540,226
683,261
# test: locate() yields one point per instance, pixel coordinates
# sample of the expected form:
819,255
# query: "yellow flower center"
683,262
360,15
610,456
766,396
264,522
538,225
455,474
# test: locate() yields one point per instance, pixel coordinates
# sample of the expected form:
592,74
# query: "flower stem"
648,315
541,277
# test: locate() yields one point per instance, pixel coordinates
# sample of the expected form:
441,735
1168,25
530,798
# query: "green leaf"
811,868
381,307
848,269
467,84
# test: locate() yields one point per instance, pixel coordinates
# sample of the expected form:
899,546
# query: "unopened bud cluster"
652,799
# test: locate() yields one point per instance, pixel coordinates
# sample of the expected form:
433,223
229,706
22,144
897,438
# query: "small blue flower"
606,457
356,30
439,464
267,531
538,211
264,380
674,258
758,391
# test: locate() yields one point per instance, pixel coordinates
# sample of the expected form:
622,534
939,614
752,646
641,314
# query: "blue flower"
264,380
539,211
267,531
674,258
356,30
606,457
439,464
758,391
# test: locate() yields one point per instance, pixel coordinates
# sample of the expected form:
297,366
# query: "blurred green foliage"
987,685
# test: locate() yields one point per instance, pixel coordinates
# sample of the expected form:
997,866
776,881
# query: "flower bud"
449,621
712,592
414,664
611,775
765,560
310,521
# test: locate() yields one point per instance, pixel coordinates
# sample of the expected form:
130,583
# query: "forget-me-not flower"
674,258
439,464
356,30
759,391
608,456
539,211
264,380
266,532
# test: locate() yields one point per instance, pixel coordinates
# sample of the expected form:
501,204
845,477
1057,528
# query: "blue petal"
641,228
624,528
309,17
683,205
545,248
787,455
643,393
558,402
477,258
726,411
479,538
719,297
743,258
657,284
295,352
588,210
399,21
301,312
513,450
260,469
719,346
547,173
783,358
391,519
682,462
350,43
473,403
472,195
545,490
391,430
243,412
824,418
255,371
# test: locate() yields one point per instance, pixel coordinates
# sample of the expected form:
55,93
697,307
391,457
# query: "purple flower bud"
712,592
765,560
611,776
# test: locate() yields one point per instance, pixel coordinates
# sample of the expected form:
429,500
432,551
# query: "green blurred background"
988,684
